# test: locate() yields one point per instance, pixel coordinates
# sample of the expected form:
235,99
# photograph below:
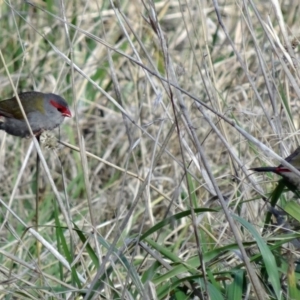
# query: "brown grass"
170,110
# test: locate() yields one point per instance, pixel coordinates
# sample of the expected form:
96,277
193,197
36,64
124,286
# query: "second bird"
294,160
43,111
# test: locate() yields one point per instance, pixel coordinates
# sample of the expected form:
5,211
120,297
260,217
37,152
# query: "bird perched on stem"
43,111
291,177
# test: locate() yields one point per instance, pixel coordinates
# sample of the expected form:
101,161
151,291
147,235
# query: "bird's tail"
265,169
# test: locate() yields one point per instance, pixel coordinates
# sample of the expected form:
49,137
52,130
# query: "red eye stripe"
61,108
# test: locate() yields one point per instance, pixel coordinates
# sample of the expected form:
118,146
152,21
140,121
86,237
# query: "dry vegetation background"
150,196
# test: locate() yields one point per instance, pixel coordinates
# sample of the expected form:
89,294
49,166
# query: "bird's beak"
67,113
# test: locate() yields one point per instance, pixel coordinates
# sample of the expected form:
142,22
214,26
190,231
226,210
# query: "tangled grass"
147,193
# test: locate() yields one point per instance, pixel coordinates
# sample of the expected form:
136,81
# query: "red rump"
64,110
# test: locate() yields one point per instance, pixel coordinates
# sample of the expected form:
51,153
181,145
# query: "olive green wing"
10,108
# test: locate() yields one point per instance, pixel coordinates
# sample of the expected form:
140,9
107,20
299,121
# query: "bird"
290,176
44,111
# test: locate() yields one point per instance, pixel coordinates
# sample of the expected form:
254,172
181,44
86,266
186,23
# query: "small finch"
294,160
43,111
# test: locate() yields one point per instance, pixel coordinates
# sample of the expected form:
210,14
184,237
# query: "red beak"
67,113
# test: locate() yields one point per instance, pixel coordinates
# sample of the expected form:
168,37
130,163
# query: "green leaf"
235,289
293,209
267,256
171,219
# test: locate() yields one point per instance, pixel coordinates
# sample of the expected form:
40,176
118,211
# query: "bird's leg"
38,133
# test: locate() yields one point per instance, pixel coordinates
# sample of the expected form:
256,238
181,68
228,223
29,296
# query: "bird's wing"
294,158
10,108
